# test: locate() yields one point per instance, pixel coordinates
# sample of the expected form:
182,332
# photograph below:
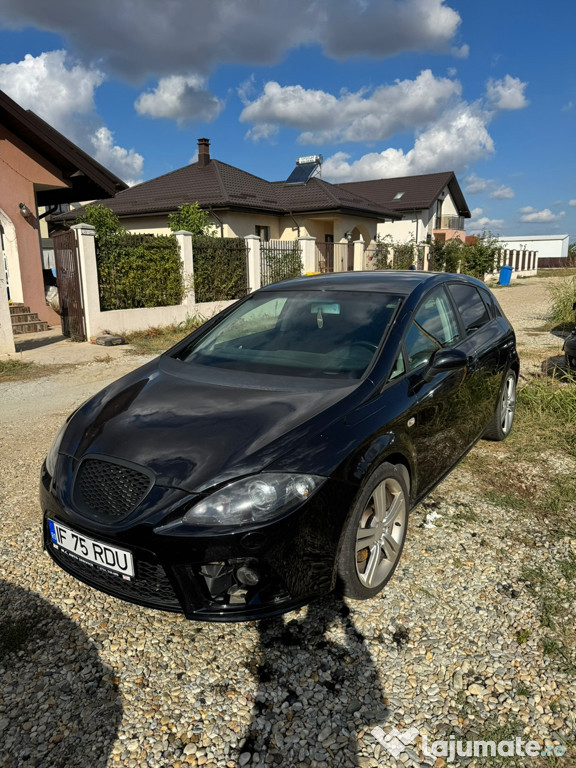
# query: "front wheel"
374,533
501,424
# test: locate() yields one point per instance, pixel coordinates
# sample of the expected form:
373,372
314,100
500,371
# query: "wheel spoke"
374,561
380,502
365,538
391,545
395,508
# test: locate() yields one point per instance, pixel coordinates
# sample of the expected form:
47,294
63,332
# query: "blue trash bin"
505,275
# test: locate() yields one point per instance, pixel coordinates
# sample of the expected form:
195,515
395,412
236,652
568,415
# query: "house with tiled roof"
40,169
431,206
242,204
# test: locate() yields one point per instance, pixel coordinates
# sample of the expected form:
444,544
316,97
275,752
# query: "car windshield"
298,333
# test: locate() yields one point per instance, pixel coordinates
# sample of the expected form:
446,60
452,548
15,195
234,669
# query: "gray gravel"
452,646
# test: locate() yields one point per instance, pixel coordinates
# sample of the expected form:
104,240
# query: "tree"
191,218
105,221
481,256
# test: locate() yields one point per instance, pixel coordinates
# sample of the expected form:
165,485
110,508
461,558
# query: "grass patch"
159,339
554,586
563,296
17,370
14,634
559,272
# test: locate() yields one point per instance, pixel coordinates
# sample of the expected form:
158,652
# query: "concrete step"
30,317
34,327
19,309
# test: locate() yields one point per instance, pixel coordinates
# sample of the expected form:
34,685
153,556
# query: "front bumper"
235,576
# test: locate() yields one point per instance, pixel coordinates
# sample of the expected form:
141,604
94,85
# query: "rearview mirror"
445,360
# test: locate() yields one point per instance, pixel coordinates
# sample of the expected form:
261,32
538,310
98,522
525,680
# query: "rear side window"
472,309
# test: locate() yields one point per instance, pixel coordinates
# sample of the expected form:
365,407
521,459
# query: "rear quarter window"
470,306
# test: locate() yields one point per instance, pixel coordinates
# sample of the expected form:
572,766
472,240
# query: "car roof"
401,282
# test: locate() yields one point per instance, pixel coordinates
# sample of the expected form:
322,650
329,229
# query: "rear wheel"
374,534
501,424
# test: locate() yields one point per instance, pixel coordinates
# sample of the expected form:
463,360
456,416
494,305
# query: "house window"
398,196
263,233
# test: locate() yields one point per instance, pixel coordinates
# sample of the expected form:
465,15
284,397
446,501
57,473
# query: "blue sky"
380,88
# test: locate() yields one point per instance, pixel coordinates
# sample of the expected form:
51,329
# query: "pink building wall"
22,171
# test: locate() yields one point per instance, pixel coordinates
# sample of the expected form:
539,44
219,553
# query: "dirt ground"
32,411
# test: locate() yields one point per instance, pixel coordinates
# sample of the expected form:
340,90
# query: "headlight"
52,454
253,499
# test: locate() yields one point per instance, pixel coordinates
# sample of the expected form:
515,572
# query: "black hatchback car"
274,454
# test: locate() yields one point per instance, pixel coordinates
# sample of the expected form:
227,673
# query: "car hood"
195,428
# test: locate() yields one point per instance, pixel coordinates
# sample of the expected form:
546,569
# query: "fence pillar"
359,265
184,240
6,334
254,277
308,250
85,234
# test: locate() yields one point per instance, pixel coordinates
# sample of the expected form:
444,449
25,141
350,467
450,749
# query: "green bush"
219,268
481,256
445,256
280,265
137,271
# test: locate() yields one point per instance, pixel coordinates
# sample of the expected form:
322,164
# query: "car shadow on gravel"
59,706
318,689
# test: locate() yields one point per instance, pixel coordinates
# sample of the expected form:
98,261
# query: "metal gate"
68,277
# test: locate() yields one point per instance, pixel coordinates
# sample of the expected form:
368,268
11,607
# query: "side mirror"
445,360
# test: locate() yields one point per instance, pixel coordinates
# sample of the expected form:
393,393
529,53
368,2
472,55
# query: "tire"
501,424
374,533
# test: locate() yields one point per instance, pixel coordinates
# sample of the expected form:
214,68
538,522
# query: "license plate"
92,551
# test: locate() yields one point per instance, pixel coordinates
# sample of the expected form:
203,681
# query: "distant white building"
548,246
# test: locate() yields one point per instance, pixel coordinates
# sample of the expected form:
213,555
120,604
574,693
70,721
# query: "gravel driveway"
452,646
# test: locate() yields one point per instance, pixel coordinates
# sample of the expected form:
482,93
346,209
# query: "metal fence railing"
334,257
279,260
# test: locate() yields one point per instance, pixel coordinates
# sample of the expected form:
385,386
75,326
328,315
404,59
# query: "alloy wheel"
380,533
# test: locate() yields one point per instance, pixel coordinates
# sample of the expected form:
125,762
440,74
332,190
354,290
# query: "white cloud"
507,93
479,223
502,193
139,39
531,215
61,92
455,141
52,86
572,202
360,116
123,162
473,184
180,98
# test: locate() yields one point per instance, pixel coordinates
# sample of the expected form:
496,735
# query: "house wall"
420,223
23,170
548,246
281,227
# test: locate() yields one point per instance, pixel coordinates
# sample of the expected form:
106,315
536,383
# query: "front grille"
149,587
108,492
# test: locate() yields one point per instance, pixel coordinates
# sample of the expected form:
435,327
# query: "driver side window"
434,326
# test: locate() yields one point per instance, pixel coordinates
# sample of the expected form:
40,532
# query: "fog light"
247,576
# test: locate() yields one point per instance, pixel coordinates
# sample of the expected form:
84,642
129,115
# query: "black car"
274,454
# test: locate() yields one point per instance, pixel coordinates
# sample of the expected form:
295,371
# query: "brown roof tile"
420,192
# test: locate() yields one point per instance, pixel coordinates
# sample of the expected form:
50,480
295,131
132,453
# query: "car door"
438,433
485,342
